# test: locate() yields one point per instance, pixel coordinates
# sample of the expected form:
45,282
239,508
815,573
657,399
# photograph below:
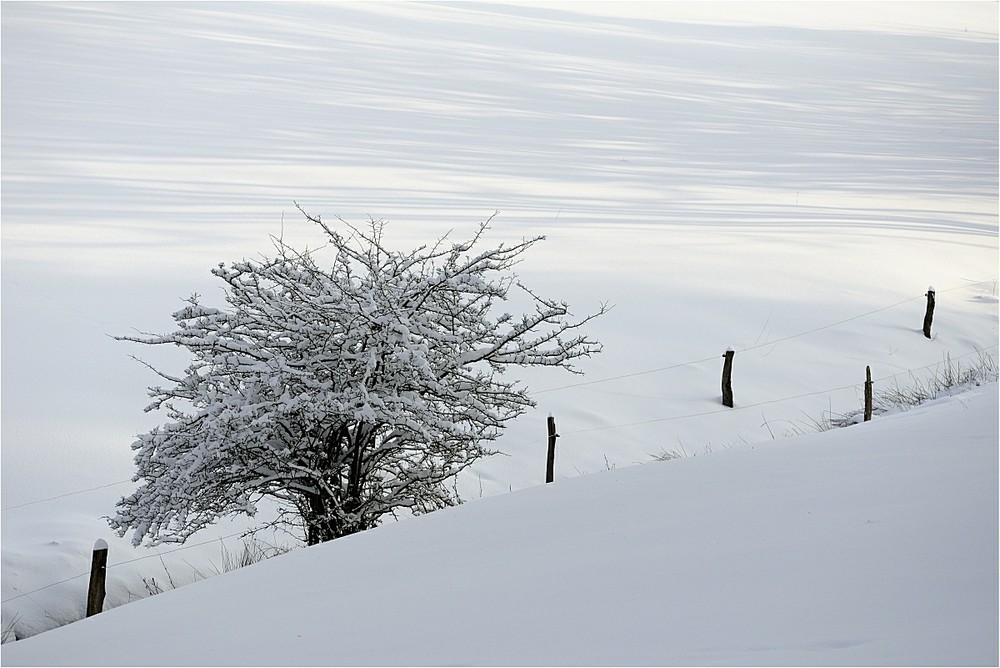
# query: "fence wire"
160,555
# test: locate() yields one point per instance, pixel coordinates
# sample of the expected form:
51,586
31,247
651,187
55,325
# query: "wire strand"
122,563
753,347
761,403
577,431
62,496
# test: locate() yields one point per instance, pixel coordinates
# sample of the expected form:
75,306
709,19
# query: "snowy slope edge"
874,545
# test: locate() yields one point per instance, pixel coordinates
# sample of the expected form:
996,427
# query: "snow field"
851,547
787,188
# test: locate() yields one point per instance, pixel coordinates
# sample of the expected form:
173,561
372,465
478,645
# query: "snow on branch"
345,390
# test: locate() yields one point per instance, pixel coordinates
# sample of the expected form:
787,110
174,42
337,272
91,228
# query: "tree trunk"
319,520
358,444
327,519
336,509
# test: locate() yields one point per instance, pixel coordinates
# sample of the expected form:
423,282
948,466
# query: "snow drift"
870,545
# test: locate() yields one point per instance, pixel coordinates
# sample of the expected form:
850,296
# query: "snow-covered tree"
345,390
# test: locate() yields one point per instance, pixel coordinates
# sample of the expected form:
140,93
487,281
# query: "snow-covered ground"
785,184
869,545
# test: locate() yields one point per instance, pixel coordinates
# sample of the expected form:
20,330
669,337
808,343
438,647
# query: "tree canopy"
345,382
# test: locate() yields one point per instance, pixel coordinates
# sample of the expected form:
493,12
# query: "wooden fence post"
727,378
98,572
550,461
929,314
868,393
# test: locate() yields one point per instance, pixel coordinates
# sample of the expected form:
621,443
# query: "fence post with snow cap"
550,460
929,314
727,378
98,573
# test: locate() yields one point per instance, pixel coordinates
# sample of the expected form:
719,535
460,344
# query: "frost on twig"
346,383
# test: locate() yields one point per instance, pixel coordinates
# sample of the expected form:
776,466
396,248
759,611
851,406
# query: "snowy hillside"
785,180
870,545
